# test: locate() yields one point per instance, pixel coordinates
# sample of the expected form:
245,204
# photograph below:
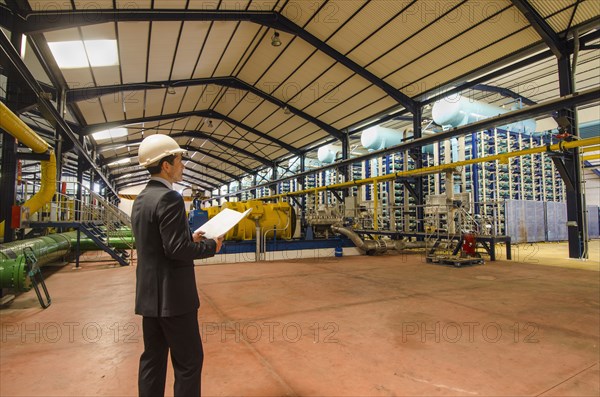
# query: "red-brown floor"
354,326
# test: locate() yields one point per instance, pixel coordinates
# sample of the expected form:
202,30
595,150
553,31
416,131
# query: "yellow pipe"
589,142
590,149
12,124
589,157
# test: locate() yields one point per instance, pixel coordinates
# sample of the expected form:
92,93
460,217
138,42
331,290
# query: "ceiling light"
286,110
210,124
171,90
23,46
110,133
275,40
81,54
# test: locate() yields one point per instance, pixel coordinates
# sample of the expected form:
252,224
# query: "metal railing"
92,208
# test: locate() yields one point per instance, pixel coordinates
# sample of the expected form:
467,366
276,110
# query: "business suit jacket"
166,283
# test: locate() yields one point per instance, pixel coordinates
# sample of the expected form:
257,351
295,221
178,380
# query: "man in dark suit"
166,294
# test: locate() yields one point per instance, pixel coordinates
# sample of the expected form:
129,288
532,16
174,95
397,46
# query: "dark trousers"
180,335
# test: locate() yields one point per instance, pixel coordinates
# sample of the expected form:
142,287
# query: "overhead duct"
372,247
13,125
457,112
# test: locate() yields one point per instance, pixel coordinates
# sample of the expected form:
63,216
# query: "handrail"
92,208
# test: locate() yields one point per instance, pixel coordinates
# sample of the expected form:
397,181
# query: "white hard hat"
155,147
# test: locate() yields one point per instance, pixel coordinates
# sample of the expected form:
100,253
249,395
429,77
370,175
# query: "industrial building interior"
424,179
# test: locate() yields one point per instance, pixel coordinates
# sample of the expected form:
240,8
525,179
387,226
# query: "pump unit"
278,217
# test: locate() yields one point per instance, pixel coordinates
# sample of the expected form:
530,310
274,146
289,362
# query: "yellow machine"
277,218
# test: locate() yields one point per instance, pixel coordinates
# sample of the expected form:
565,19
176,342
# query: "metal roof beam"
47,20
146,176
219,180
550,37
504,92
203,135
22,69
210,167
81,94
190,148
90,129
133,181
219,142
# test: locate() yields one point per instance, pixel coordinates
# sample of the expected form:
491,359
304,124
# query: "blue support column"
367,175
417,155
475,172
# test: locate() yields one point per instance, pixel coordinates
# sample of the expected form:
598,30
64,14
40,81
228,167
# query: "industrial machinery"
321,220
277,218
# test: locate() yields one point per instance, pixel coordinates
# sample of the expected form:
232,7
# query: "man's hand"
219,241
198,236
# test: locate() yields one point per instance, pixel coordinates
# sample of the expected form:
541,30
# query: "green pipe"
48,249
86,244
14,275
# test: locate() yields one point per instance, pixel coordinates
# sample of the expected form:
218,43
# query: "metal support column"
302,186
576,209
9,150
345,169
58,135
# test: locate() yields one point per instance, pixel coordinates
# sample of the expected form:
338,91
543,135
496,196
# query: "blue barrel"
339,252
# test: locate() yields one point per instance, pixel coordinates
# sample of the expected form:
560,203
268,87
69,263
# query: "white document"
221,223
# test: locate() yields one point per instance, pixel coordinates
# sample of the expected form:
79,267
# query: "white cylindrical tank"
456,112
376,138
328,153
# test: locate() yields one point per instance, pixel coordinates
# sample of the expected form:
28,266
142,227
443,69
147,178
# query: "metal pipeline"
47,249
13,273
373,247
12,124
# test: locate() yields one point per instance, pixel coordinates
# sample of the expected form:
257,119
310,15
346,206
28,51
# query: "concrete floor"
354,326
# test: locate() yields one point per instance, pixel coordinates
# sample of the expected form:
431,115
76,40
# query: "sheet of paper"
221,223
